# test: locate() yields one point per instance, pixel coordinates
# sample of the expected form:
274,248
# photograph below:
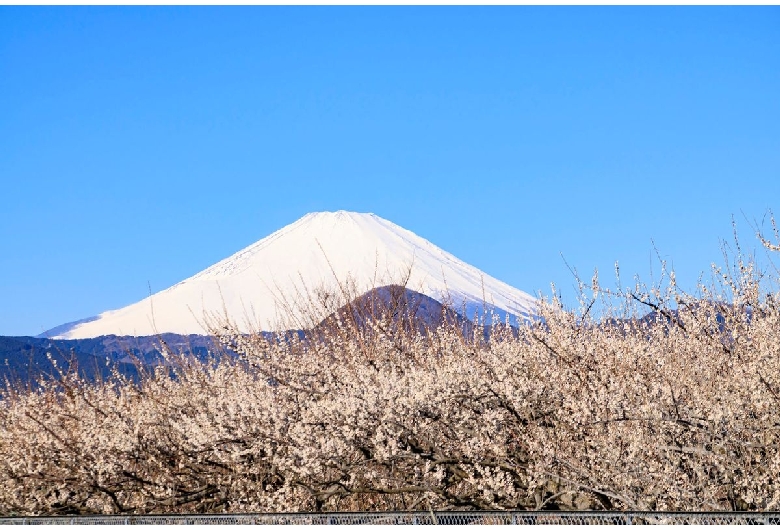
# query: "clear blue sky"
140,145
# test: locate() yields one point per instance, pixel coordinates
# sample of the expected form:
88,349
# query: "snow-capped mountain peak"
259,284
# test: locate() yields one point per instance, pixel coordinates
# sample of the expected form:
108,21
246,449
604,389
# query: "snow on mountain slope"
317,251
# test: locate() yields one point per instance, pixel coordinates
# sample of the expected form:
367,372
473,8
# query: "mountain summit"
260,284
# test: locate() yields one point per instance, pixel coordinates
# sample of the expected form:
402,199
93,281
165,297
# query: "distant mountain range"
25,359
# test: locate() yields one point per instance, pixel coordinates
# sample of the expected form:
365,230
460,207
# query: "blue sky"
140,145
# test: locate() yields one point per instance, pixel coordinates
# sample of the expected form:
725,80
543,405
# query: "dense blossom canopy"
679,410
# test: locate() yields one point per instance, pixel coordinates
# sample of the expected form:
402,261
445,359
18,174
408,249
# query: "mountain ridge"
265,281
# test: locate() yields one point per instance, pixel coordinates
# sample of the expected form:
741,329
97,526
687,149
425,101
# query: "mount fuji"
258,286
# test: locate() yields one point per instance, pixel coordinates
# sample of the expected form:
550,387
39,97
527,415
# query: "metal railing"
449,518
